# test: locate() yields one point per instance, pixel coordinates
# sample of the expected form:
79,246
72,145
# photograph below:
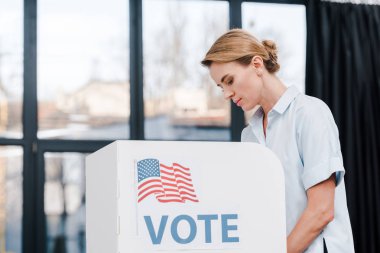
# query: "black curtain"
343,69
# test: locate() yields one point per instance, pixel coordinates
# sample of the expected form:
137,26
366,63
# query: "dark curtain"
343,69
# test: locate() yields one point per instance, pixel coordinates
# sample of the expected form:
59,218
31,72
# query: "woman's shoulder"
313,113
309,106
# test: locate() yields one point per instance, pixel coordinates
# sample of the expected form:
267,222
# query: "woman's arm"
318,213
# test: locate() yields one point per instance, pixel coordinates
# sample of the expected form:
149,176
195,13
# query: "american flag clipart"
167,183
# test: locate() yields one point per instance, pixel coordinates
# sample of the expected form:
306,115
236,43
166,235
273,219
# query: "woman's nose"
228,94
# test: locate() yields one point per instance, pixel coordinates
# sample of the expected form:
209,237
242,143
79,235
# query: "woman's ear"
257,62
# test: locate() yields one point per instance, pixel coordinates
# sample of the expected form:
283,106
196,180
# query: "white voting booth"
192,197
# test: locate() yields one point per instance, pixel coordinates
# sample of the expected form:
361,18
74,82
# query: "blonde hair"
238,45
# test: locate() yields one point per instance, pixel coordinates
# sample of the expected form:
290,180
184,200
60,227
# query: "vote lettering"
207,221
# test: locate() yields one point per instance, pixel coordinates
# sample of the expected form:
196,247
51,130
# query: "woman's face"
239,83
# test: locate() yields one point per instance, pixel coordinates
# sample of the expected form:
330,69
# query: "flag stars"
148,168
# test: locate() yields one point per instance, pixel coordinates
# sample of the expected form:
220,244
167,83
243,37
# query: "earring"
259,73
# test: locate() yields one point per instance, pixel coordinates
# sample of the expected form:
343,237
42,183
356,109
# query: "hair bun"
269,44
271,64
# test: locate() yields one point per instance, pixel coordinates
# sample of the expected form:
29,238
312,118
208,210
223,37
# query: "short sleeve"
319,145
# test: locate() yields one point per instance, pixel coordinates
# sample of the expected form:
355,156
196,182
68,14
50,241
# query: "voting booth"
192,197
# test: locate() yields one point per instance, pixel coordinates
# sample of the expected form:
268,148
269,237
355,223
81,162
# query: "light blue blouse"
302,132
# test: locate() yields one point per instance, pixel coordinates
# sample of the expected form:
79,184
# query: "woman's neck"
272,91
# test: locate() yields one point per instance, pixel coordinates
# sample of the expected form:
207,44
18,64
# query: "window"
181,101
84,99
11,68
285,24
83,70
11,198
65,202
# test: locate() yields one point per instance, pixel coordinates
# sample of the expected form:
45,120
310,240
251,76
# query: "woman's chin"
246,108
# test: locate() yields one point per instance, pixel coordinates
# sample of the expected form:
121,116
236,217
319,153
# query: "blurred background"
77,75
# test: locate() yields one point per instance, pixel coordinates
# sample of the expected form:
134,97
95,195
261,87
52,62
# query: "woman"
299,129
